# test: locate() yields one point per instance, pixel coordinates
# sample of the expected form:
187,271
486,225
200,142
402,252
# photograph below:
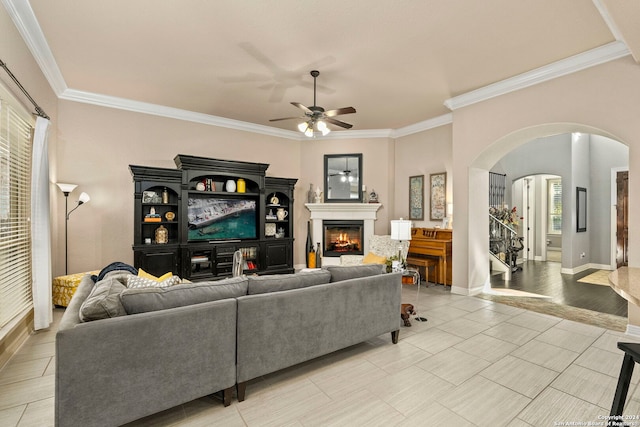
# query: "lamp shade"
401,229
84,198
66,188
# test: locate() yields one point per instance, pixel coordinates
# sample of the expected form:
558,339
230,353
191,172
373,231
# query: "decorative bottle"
312,258
318,257
165,196
311,195
309,245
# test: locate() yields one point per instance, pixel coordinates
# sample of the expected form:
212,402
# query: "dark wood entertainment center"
197,248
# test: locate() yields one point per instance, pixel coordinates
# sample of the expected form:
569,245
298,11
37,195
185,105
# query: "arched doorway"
577,167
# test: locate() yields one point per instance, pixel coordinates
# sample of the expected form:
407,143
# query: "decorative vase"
162,235
230,186
281,214
165,196
242,186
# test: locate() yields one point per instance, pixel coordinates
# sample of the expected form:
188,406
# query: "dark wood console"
208,209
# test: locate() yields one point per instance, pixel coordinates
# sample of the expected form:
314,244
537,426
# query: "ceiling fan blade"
302,107
285,118
339,111
338,123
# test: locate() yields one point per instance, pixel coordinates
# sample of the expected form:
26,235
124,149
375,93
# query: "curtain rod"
39,111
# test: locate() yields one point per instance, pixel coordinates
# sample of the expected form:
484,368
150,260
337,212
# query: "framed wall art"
438,196
416,197
581,209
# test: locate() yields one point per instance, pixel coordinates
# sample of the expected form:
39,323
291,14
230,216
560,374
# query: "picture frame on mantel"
416,197
438,196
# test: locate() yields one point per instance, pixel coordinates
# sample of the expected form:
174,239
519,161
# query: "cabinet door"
278,256
157,262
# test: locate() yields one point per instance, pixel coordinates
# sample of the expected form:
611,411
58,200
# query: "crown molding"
25,21
173,113
590,58
435,122
606,17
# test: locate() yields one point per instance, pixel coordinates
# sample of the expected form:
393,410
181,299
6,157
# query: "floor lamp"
401,231
84,198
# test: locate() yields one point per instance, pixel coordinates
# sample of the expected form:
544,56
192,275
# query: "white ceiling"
239,63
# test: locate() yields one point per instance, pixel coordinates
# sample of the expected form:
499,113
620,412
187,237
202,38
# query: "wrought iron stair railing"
501,237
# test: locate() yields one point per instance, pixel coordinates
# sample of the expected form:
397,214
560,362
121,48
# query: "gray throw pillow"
342,272
103,301
141,300
284,282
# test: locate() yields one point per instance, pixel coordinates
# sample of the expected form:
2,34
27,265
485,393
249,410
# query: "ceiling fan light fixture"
315,117
322,127
309,131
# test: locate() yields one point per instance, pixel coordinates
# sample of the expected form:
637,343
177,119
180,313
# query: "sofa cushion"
103,300
141,300
342,272
284,282
144,282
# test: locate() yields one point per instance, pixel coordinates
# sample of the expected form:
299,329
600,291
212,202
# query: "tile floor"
474,363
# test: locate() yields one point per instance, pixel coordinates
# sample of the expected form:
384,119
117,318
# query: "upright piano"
432,246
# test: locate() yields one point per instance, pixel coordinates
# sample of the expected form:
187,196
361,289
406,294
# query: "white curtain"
41,228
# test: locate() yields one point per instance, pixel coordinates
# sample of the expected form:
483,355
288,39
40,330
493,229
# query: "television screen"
220,218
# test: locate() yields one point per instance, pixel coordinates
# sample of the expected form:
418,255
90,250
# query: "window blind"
16,126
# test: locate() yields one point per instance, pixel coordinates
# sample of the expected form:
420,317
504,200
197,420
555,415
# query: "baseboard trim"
15,334
633,330
583,267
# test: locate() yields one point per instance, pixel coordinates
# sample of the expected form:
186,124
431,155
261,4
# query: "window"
16,126
554,206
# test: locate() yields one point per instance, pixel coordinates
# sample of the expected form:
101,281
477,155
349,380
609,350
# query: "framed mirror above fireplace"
342,178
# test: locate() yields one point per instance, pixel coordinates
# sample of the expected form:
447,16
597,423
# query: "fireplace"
342,237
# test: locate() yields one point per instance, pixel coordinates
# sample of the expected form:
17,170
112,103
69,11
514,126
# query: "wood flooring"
545,278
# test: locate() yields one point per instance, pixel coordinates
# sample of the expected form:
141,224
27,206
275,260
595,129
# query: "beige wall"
422,153
96,145
601,100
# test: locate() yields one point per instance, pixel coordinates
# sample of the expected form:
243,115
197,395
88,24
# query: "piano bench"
422,265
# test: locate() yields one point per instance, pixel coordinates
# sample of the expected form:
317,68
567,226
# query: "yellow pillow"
372,258
142,273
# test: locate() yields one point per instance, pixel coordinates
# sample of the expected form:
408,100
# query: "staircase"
501,237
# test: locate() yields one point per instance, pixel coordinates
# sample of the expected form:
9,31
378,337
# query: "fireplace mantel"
367,212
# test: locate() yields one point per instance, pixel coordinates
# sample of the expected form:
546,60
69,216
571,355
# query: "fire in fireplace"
342,237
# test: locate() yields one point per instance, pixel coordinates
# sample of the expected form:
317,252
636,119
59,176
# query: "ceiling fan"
315,117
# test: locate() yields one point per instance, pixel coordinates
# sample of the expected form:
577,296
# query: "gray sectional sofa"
123,354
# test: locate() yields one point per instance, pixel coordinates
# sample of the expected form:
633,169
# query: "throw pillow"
143,282
372,258
103,301
146,275
142,300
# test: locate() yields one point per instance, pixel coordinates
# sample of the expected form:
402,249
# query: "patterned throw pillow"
143,282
